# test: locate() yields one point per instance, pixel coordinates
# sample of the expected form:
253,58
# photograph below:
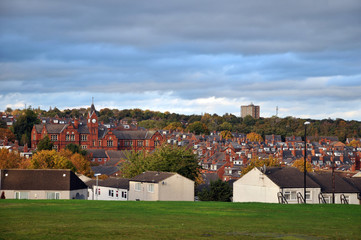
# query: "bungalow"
270,184
41,184
161,186
115,189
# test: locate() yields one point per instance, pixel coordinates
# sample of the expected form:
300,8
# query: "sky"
183,56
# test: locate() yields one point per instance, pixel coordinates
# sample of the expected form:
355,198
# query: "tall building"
252,110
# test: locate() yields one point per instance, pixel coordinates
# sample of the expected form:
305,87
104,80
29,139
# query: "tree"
354,143
174,126
254,137
299,163
12,160
45,144
75,148
166,158
256,162
47,159
3,124
24,124
170,158
225,126
226,134
217,191
135,164
4,132
197,128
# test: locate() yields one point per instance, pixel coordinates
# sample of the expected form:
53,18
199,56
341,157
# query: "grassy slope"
76,219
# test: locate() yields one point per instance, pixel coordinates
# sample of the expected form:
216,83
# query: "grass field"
77,219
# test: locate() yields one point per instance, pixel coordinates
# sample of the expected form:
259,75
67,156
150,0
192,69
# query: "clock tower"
92,123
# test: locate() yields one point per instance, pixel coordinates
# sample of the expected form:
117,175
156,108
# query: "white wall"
40,194
118,194
255,187
176,188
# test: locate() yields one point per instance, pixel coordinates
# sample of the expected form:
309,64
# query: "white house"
268,184
115,189
161,186
41,184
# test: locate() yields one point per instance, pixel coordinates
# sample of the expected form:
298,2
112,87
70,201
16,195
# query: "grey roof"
122,183
97,153
83,129
51,128
40,179
152,176
324,179
115,157
133,135
106,170
289,177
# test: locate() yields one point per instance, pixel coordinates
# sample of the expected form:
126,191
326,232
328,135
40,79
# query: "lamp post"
304,162
96,190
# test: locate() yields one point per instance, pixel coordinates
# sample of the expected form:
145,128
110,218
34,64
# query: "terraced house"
92,135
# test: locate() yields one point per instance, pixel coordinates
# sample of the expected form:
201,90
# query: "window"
99,159
54,137
116,194
67,137
151,187
147,143
34,136
140,143
55,147
156,143
290,195
109,143
94,143
126,143
72,137
84,137
53,195
84,147
137,187
124,194
93,160
21,195
308,195
111,193
100,142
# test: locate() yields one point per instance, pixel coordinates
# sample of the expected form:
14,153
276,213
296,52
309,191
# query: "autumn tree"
256,162
299,163
50,159
7,133
226,134
254,137
12,160
354,143
174,126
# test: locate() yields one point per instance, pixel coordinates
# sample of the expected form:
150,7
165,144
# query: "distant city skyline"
183,56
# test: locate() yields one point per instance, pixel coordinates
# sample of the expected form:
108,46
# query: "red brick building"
91,135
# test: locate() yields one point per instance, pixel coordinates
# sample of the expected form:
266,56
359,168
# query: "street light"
304,162
96,191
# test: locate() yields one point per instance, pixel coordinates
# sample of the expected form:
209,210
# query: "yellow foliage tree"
226,134
354,143
256,162
50,159
299,163
254,137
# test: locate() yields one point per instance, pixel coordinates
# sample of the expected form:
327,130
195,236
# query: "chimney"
76,123
6,141
16,146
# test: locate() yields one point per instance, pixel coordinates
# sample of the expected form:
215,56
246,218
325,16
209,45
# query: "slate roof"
83,129
115,157
51,128
40,179
133,135
324,179
106,170
289,177
122,183
97,153
152,176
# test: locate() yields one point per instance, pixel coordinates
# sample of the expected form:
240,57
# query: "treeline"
199,124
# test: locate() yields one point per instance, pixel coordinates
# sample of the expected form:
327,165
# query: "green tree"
24,124
3,124
217,191
166,158
45,144
74,148
198,128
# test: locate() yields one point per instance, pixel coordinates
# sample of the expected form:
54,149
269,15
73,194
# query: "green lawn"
80,219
